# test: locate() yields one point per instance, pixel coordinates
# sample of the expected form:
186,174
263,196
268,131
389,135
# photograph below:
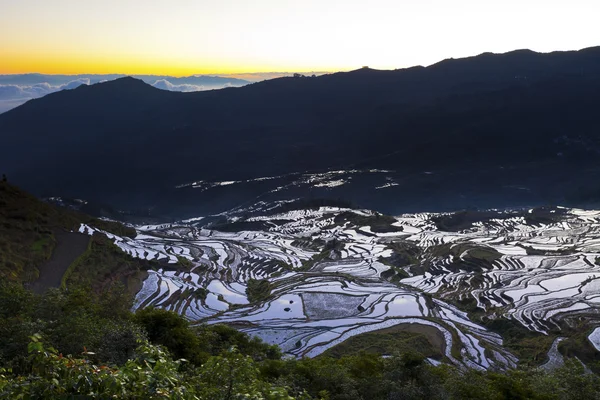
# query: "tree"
234,376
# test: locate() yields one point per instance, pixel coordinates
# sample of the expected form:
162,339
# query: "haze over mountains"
496,130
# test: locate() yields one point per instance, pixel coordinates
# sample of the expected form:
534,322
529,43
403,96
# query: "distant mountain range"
495,130
19,88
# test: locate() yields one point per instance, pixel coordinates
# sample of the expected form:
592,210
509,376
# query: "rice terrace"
310,279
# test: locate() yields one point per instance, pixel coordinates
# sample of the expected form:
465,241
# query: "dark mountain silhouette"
492,130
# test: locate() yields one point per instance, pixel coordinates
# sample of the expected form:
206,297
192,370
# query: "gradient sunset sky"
184,37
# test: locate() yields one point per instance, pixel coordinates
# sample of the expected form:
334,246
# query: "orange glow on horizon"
190,37
73,65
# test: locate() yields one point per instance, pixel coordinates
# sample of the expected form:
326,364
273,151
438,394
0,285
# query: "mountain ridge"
485,124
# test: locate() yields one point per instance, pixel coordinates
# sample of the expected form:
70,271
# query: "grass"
43,245
398,339
27,227
103,264
81,259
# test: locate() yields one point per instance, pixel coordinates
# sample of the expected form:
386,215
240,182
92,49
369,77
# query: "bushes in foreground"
150,374
75,344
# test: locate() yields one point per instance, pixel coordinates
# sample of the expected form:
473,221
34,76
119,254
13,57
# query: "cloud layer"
166,85
13,95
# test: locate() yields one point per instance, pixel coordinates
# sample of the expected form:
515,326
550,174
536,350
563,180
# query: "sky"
185,37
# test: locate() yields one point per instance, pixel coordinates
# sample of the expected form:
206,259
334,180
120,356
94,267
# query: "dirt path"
69,246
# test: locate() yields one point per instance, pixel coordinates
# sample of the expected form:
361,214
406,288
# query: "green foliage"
234,376
151,374
69,320
197,344
258,290
174,333
118,360
409,376
220,338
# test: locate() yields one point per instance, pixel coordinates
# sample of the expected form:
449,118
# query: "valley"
309,279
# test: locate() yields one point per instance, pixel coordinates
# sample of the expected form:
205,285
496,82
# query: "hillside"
39,242
493,130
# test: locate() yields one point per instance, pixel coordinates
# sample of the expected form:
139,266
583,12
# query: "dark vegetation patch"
539,252
184,262
545,215
309,244
475,258
404,254
473,251
394,274
329,251
282,264
197,344
258,290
